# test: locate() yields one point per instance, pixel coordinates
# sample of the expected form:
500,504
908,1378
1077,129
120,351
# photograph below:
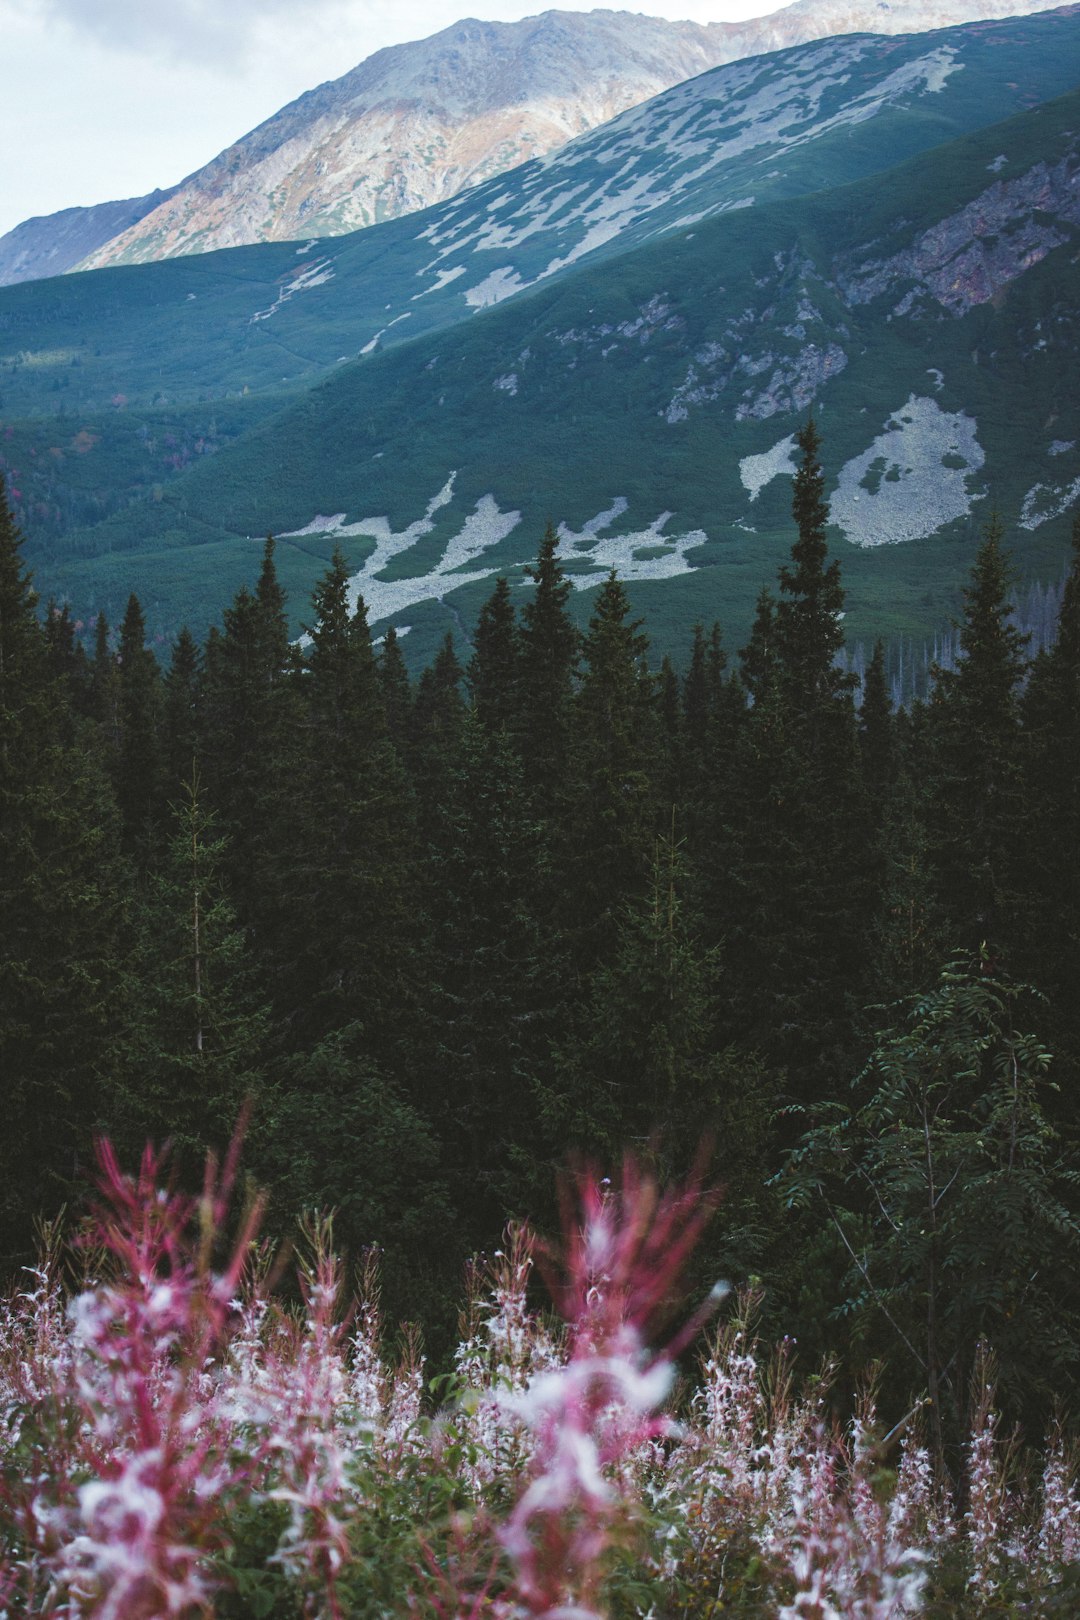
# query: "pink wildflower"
621,1262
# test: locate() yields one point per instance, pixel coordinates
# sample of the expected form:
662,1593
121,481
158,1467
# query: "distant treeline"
444,934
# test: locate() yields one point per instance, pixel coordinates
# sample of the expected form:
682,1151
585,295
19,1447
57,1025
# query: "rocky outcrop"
970,256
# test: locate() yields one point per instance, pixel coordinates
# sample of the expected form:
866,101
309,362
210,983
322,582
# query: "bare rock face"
415,124
969,257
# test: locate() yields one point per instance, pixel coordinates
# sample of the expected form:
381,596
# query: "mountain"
417,123
52,243
622,337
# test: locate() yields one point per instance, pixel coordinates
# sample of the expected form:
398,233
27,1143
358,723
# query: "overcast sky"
109,98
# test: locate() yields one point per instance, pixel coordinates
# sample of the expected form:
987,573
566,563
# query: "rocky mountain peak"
414,124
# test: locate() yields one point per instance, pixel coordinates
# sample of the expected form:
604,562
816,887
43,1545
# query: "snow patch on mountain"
313,275
584,538
640,554
912,480
387,543
442,279
482,529
500,284
757,471
373,343
1045,501
648,158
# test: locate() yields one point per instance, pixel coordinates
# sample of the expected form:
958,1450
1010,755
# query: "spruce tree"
757,660
437,720
646,1069
104,698
193,1030
1051,922
491,985
877,744
137,765
605,843
65,655
796,895
250,747
714,709
493,669
808,632
59,900
977,800
397,689
549,652
670,762
180,714
349,921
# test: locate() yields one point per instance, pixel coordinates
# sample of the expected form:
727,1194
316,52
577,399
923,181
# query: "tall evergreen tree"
977,800
808,631
1051,924
605,843
66,657
491,986
757,660
104,697
250,748
397,689
59,900
350,923
877,742
180,714
714,708
137,765
493,669
193,1028
797,893
549,652
647,1071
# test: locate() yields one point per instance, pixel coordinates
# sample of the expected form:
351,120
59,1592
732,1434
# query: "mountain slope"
52,243
273,318
643,393
648,406
417,123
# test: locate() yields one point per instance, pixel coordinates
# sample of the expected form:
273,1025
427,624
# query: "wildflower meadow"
187,1430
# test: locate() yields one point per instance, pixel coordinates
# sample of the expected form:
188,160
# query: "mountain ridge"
419,122
641,390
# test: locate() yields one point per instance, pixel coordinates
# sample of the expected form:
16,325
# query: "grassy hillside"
599,359
644,398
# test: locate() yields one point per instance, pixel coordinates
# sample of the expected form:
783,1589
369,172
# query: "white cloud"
197,30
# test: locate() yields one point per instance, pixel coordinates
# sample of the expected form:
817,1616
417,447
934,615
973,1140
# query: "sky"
105,99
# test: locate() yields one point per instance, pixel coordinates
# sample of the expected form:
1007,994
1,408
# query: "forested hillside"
445,934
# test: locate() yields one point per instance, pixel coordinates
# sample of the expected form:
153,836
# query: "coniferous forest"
438,939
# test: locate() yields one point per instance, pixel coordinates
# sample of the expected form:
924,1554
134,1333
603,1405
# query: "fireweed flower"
623,1255
124,1529
143,1422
